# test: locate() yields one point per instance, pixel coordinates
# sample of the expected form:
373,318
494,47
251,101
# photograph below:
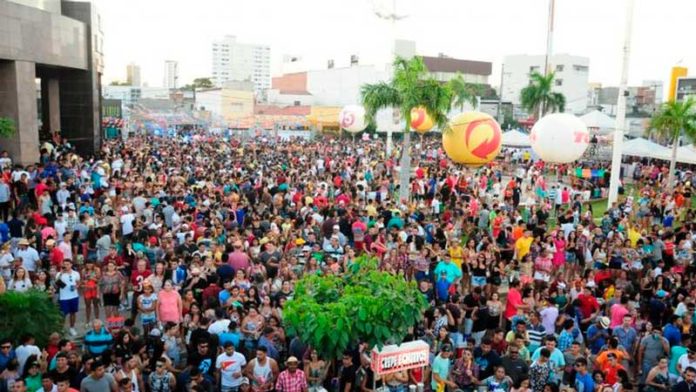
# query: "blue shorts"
69,306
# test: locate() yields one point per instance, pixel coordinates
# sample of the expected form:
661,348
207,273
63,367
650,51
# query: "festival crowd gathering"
171,259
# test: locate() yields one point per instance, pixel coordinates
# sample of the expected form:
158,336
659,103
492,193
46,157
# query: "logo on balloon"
472,138
490,144
352,118
420,120
347,120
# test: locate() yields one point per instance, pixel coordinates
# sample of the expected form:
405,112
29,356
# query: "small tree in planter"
7,127
332,313
29,312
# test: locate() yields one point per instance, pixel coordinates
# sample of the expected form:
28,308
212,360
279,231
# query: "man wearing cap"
30,257
229,365
291,379
55,254
441,369
597,334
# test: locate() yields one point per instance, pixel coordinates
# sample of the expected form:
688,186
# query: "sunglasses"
6,347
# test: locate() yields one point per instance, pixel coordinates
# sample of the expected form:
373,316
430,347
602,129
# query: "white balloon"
352,118
559,138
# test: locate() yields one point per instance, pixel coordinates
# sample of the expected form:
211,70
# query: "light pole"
392,17
549,37
621,110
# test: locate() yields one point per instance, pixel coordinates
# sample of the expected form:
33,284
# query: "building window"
559,68
559,82
580,68
533,69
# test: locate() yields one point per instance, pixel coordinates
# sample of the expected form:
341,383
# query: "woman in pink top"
559,255
169,305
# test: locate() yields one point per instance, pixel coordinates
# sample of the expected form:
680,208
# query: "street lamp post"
392,17
621,110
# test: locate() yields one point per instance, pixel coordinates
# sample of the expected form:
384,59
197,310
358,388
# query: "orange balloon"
472,138
420,120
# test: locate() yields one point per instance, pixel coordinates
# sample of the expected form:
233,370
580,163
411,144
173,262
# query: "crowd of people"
172,258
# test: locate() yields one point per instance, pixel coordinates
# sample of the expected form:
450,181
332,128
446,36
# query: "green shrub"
30,312
332,313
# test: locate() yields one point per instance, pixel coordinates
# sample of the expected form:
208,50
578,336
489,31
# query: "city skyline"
336,29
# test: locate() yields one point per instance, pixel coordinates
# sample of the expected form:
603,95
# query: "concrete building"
133,75
445,68
686,88
236,61
171,74
60,43
571,77
641,100
229,103
130,95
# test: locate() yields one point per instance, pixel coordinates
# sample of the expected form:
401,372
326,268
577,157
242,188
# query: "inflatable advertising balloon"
352,118
473,138
559,138
420,120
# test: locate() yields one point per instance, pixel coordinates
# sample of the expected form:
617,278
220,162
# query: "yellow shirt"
457,255
371,210
522,246
633,236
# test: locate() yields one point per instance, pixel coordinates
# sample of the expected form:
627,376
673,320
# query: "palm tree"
539,97
410,87
463,92
670,122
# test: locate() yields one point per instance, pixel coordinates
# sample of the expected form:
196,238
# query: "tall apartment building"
236,61
171,74
571,80
133,75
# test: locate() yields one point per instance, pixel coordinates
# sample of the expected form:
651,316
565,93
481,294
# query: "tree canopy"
331,313
673,119
539,98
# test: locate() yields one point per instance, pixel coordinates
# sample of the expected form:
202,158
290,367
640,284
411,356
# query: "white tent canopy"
686,154
641,147
515,138
598,123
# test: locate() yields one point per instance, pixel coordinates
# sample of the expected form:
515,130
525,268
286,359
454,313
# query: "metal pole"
549,37
500,94
621,109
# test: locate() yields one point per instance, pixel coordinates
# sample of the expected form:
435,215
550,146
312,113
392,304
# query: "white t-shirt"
23,353
228,365
71,280
684,362
30,258
5,266
127,223
218,327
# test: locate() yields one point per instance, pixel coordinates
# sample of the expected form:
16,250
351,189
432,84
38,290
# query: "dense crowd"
182,252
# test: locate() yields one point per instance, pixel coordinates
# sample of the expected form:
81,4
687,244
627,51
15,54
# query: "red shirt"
56,256
40,189
514,298
343,198
211,291
588,305
137,278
